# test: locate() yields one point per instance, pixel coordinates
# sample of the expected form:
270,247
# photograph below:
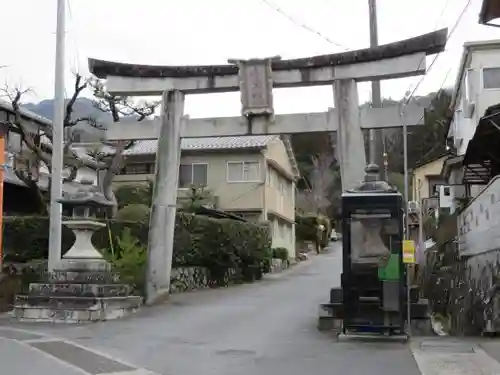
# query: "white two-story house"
475,134
477,88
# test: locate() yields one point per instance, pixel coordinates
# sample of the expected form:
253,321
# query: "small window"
435,190
193,174
491,78
243,171
446,191
138,168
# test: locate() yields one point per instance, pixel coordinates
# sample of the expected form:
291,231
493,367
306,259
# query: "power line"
439,90
442,14
301,24
452,31
74,39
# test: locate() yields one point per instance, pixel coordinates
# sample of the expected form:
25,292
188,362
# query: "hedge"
307,229
217,244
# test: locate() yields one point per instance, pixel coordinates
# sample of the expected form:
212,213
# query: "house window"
243,171
138,168
446,191
491,78
435,190
193,174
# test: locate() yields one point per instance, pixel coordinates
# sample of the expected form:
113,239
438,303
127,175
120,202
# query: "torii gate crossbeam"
255,79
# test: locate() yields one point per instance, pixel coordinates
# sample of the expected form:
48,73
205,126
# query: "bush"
308,229
280,253
27,237
133,212
128,260
134,194
220,245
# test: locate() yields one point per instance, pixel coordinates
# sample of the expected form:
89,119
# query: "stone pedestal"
82,289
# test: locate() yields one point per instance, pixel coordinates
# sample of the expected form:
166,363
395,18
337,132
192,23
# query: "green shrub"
308,229
325,235
280,253
133,212
27,237
223,246
129,259
134,194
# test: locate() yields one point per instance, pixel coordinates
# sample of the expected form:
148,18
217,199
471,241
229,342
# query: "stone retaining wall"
278,265
188,278
183,279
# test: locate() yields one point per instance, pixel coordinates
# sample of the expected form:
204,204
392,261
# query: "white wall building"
476,88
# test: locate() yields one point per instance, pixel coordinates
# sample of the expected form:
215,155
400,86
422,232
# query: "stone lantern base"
82,289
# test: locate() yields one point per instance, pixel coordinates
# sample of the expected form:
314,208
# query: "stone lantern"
84,205
83,288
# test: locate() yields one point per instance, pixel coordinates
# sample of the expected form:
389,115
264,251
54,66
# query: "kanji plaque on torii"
255,79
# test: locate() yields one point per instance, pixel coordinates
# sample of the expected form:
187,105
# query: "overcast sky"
209,32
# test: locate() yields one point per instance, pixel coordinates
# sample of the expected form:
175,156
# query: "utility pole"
376,96
57,141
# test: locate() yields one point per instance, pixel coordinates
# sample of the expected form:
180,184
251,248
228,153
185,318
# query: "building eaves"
490,10
149,147
426,161
29,115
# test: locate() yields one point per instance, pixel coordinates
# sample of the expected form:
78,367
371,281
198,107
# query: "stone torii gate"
255,79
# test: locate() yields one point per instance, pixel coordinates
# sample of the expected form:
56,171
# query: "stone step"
71,302
70,310
79,289
74,276
89,265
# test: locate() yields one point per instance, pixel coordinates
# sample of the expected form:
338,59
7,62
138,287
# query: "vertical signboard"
408,251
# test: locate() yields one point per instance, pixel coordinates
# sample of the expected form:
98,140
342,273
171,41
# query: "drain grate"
447,347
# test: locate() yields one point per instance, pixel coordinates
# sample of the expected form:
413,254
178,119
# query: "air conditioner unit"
469,110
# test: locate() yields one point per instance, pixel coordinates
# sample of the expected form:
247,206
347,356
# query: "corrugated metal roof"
146,147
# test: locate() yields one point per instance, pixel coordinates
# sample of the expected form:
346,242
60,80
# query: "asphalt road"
265,328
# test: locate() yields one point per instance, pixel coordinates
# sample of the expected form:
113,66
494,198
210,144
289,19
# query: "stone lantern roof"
87,195
372,183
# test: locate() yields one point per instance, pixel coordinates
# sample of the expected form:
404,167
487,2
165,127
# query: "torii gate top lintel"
310,70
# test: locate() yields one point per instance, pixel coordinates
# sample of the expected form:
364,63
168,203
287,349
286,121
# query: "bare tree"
36,144
316,199
118,107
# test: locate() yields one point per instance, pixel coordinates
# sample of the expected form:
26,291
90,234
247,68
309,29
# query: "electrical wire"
302,25
74,38
452,31
441,15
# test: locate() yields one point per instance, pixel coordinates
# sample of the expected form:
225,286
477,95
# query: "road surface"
268,328
264,328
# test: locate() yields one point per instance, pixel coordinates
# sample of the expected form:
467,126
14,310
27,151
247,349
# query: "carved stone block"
256,86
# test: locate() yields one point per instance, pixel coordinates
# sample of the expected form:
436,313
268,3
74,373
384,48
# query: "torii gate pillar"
350,143
163,212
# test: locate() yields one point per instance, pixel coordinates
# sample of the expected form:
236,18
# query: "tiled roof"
145,147
6,106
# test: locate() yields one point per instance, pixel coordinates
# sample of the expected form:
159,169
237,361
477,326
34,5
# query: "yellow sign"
408,251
